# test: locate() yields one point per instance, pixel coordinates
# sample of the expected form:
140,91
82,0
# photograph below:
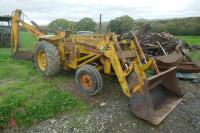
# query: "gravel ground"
109,112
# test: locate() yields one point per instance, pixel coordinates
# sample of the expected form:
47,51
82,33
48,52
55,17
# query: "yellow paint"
107,66
42,60
102,51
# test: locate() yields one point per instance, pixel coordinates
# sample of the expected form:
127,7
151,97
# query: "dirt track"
109,113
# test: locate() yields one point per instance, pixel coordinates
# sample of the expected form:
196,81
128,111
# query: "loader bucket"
23,55
161,95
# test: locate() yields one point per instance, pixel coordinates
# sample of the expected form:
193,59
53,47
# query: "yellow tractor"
152,96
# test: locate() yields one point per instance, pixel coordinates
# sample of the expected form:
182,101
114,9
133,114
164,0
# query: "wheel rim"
42,60
86,81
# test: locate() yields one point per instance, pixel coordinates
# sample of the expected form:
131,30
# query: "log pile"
158,44
163,43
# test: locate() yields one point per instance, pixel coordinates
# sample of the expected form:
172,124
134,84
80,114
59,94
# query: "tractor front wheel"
47,58
89,80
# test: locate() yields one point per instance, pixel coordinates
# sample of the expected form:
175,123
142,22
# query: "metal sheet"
24,55
185,67
161,95
187,76
169,60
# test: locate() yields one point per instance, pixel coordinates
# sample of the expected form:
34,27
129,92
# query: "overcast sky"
44,11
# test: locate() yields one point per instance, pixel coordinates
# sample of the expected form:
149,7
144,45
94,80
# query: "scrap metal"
158,44
168,50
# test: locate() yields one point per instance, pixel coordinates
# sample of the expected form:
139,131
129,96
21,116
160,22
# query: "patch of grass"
26,97
27,39
195,55
192,40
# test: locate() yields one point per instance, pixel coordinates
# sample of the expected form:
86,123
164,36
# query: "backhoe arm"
15,28
15,31
36,33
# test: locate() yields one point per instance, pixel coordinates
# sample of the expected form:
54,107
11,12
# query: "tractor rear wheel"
89,80
47,59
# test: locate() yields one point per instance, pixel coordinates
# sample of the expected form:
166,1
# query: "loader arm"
16,23
153,97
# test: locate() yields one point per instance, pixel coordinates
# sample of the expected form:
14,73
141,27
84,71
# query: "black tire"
97,82
52,57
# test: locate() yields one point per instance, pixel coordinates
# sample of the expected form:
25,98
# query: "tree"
121,24
181,26
63,23
86,24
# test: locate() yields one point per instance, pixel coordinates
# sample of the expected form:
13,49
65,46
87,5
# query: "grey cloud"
44,11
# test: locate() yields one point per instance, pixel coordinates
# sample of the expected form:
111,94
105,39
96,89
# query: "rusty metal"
121,54
24,55
86,81
139,49
171,60
161,95
162,46
189,67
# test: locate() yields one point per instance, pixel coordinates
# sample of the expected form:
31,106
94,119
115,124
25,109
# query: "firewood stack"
158,44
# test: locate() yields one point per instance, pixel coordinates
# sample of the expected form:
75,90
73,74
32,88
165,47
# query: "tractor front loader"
153,94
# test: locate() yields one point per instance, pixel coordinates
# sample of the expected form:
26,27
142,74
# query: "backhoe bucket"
23,55
161,95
